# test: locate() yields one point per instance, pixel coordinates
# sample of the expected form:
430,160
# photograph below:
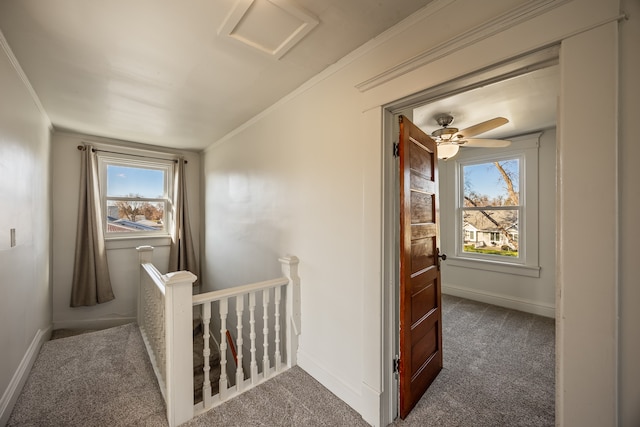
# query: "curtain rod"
95,150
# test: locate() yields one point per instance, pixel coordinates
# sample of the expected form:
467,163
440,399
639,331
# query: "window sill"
135,241
497,267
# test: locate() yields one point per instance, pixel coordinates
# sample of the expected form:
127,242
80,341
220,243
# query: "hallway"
498,370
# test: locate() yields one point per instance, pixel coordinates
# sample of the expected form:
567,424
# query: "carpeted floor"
291,399
101,378
498,371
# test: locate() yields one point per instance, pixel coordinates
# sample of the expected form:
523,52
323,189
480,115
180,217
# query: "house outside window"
469,236
136,196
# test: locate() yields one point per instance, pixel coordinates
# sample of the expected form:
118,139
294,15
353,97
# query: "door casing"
391,228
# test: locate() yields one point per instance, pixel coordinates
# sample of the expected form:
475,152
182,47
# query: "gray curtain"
91,283
181,255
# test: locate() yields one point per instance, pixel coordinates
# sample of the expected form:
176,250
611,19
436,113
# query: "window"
136,196
495,207
491,205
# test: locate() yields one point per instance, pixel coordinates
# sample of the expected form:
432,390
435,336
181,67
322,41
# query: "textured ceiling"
177,73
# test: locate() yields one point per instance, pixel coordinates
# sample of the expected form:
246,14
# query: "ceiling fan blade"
481,127
489,143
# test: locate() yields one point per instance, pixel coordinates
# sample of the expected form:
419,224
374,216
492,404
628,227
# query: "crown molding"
23,77
485,30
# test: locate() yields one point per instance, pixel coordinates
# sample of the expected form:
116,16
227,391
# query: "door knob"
442,256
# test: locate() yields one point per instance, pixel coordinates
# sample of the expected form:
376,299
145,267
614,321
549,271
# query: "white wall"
532,294
629,199
294,195
25,286
122,256
305,177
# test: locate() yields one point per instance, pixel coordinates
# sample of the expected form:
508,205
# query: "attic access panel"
271,26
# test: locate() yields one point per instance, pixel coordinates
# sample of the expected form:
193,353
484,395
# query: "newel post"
290,271
145,255
179,344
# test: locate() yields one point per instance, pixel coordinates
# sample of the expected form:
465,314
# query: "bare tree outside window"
491,207
136,196
134,210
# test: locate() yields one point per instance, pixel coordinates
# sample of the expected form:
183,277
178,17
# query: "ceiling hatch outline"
270,26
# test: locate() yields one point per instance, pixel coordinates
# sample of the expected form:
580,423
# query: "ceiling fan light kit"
450,139
447,151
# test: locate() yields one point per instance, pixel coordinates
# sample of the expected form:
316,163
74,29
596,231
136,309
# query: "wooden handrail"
234,353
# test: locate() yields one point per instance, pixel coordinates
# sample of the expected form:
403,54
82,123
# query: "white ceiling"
180,73
184,74
528,101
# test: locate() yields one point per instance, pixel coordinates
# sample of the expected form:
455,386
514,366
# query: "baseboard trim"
104,323
513,303
10,395
337,386
372,406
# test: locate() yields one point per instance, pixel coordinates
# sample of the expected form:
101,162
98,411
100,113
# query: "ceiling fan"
450,139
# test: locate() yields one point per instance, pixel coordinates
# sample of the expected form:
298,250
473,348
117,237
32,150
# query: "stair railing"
165,321
271,294
165,318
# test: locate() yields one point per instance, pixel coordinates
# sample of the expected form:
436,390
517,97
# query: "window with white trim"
491,197
136,195
496,207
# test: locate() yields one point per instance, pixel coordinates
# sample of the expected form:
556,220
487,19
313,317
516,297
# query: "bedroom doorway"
423,109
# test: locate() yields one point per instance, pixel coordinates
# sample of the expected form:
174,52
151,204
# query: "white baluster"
265,331
252,336
293,315
147,313
277,356
206,386
239,343
159,318
163,333
224,309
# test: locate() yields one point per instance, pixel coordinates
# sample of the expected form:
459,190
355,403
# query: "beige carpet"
291,399
101,378
105,378
498,371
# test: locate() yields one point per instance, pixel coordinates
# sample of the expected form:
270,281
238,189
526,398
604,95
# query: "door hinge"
396,365
396,150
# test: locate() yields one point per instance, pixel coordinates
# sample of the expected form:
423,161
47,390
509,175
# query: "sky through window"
123,181
485,179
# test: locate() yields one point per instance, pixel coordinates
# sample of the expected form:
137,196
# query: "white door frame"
527,63
588,94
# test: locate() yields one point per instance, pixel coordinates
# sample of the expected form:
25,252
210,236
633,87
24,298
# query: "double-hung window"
136,196
490,205
496,207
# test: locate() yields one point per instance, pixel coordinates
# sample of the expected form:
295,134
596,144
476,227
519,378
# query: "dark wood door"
420,312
